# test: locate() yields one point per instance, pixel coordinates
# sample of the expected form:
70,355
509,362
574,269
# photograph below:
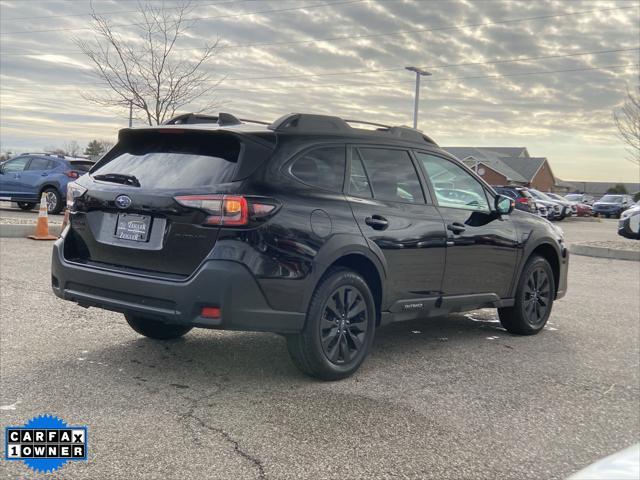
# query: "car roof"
55,156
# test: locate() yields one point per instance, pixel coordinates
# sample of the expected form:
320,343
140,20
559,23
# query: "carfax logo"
45,443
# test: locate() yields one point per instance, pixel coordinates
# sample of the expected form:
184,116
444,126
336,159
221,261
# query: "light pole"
419,73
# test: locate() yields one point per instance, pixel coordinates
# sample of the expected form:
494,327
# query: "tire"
54,200
156,329
334,343
533,301
26,206
560,218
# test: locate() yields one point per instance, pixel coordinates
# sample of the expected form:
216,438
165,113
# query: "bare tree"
72,148
106,144
627,120
146,70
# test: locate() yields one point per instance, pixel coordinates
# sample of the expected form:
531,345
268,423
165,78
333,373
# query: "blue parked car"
23,179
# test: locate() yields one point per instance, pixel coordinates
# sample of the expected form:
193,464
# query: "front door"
481,245
11,178
388,202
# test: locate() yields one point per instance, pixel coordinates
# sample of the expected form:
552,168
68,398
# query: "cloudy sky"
347,57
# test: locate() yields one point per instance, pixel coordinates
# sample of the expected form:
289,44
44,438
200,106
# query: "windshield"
612,199
574,197
540,195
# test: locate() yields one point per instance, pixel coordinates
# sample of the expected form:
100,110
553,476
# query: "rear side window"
174,160
39,164
392,175
322,167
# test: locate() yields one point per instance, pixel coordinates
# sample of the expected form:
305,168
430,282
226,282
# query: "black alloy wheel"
534,297
339,327
537,296
344,324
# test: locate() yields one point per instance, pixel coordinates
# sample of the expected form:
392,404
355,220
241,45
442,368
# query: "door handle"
44,174
456,227
377,222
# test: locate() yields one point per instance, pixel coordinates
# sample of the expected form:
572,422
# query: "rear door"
481,245
390,206
129,217
34,175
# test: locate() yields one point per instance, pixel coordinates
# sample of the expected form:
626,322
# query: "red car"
583,210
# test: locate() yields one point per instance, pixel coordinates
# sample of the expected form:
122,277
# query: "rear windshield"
81,166
174,160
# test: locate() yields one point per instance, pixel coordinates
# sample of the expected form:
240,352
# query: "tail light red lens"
210,312
227,210
524,200
72,174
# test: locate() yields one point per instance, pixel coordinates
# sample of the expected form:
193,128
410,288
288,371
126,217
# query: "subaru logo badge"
122,201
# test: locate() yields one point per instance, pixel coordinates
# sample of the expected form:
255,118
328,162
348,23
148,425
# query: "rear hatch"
125,215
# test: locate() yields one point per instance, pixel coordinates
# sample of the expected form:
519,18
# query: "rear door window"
39,164
359,185
322,168
392,175
174,160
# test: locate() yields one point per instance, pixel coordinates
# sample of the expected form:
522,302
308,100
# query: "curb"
602,252
19,230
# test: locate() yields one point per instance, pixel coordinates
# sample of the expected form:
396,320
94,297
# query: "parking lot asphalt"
449,398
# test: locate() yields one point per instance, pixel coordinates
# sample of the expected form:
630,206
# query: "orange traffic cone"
42,227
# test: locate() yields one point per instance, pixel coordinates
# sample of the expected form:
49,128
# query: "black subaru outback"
308,227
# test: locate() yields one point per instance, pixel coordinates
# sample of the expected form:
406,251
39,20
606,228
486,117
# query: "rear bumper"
222,283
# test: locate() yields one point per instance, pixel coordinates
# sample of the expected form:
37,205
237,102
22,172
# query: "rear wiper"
119,178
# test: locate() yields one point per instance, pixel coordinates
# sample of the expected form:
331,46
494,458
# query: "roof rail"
222,119
362,122
303,122
309,123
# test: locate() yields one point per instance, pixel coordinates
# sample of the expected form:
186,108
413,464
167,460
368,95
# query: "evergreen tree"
94,149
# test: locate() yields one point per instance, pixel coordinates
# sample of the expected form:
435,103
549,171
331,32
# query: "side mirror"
504,205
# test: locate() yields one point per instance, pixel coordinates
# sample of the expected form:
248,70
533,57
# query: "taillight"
228,210
524,200
72,174
74,191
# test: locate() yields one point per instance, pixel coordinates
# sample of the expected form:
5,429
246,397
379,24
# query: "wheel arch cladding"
49,185
366,268
546,251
